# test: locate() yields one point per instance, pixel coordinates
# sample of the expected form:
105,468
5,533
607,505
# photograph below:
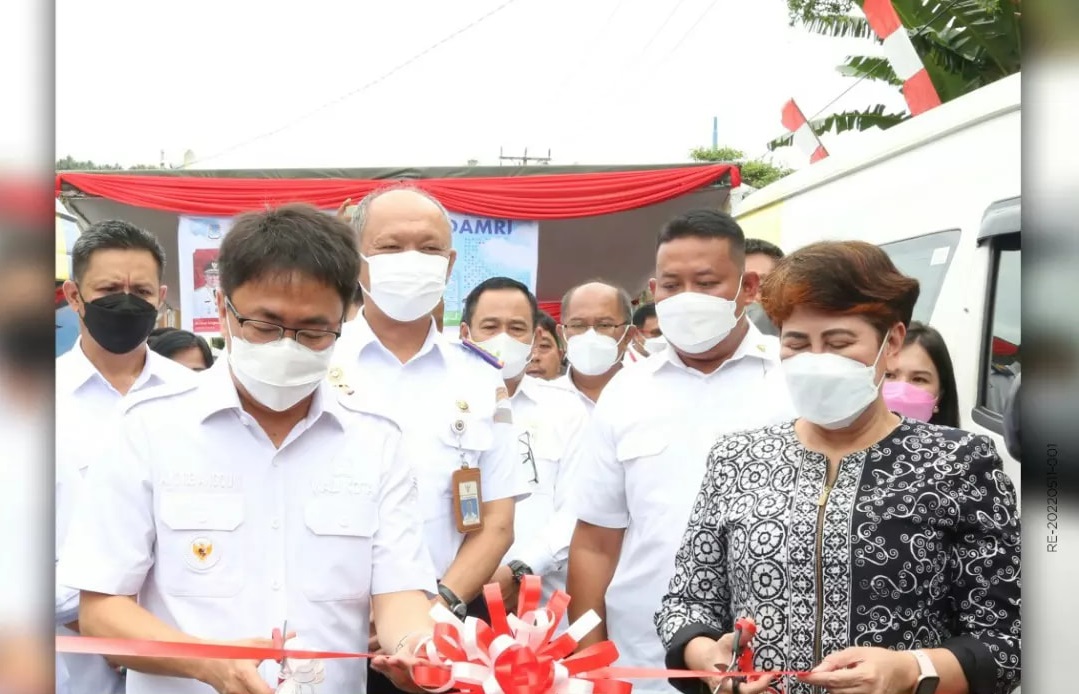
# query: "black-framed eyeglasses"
260,332
527,458
615,330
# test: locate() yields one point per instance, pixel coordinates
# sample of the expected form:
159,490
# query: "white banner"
485,248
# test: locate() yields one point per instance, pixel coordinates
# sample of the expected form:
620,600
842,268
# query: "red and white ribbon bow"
516,654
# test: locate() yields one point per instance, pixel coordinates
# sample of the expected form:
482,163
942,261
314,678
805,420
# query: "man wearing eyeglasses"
597,328
258,495
500,316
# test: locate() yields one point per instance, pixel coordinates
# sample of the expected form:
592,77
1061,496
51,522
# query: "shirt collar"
358,335
217,393
755,345
76,370
525,389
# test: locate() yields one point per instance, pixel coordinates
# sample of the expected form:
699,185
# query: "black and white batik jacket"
915,544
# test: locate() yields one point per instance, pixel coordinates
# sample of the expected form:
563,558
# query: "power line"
662,26
707,10
382,78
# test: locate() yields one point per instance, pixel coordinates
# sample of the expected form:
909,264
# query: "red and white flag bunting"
918,89
804,137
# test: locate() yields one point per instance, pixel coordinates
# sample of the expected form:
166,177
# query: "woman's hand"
398,666
865,671
702,653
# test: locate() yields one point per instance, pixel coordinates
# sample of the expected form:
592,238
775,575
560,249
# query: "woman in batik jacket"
880,552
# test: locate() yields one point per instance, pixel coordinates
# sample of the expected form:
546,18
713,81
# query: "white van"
941,194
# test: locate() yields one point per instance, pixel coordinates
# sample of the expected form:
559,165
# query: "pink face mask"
909,400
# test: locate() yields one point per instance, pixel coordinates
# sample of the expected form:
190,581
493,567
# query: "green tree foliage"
69,163
755,172
965,44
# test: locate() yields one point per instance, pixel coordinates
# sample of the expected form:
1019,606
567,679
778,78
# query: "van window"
1003,334
926,259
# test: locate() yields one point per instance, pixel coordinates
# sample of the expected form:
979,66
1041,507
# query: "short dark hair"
162,330
496,284
852,278
172,341
546,323
933,343
290,239
706,224
643,313
762,247
114,234
624,299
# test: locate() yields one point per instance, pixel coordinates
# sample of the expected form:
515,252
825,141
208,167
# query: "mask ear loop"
873,367
735,299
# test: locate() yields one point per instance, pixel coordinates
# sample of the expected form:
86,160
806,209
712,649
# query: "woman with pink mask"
922,386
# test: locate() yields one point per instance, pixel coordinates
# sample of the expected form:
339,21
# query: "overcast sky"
596,81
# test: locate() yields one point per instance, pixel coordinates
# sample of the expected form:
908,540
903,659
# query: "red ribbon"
511,649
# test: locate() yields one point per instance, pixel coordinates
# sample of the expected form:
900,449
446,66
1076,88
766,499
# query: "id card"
467,501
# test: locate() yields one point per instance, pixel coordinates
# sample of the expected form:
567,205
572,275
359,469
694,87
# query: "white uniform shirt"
204,303
88,408
549,422
647,446
223,536
443,384
565,381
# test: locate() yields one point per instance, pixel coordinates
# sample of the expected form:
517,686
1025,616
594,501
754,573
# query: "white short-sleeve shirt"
565,381
641,470
223,536
87,408
445,388
549,422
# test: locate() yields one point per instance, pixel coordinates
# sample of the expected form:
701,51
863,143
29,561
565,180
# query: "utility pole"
524,159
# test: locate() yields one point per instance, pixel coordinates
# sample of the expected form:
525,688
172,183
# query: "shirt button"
276,585
276,462
344,522
275,524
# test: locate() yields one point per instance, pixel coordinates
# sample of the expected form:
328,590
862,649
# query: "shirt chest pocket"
337,553
200,548
641,453
460,444
546,451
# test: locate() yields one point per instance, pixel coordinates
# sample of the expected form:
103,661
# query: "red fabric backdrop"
553,308
535,197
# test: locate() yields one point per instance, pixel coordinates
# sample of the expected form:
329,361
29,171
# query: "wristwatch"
454,603
928,680
519,570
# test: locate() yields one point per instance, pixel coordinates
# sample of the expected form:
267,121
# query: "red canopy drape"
533,197
552,308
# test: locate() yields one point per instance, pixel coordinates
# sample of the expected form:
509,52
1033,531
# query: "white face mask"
695,322
829,390
592,354
278,374
513,353
652,345
406,286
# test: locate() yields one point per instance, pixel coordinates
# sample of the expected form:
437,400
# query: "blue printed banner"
485,248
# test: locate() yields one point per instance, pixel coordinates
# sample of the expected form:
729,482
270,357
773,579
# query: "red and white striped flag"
918,89
804,137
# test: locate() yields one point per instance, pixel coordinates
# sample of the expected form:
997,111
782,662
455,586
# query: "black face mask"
119,322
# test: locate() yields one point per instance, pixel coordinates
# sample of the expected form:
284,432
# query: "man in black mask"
116,290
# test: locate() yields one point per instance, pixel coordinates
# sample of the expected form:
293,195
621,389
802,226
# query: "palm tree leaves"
964,45
848,121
